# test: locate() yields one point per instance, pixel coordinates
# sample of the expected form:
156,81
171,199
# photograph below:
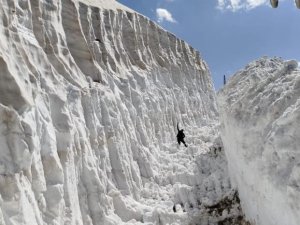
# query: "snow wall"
260,114
90,95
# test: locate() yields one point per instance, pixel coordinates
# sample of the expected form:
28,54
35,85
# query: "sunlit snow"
90,96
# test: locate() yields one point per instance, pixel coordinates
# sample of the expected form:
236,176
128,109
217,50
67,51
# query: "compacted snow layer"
89,102
260,113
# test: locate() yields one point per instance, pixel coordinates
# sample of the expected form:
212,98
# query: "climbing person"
180,136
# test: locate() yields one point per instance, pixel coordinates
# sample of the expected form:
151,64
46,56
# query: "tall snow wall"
260,115
90,94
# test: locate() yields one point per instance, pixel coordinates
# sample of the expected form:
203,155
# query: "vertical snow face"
260,113
89,102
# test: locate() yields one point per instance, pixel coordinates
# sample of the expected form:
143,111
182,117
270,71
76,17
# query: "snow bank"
90,95
106,4
260,113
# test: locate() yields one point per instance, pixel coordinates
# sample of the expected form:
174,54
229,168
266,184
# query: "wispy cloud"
236,5
163,14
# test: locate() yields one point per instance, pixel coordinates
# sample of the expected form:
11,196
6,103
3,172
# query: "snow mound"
260,113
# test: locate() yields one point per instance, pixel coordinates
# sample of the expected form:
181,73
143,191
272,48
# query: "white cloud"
235,5
163,14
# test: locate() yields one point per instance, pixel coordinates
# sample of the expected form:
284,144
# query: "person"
180,136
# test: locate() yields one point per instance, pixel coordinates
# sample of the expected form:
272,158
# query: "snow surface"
260,114
106,4
89,102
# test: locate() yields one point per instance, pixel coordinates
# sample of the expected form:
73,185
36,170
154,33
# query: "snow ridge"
89,102
259,110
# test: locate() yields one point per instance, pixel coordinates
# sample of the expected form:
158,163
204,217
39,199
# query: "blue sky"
228,33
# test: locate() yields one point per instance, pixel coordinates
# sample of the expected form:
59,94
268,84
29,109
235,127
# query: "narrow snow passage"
191,186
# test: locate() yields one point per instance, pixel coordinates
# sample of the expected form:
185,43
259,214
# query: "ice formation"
260,113
90,95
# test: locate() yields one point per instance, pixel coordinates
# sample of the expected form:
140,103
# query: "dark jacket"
180,134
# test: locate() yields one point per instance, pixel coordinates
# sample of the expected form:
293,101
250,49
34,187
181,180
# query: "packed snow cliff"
260,114
90,96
